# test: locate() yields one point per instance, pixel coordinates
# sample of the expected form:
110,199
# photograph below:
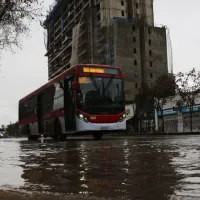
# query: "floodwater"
149,168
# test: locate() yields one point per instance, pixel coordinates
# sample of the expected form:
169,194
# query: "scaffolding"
169,52
89,31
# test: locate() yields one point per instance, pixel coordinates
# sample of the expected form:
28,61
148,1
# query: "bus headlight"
122,118
82,117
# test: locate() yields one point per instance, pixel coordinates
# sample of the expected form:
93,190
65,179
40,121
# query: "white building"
179,121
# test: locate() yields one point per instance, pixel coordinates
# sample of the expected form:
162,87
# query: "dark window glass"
135,62
100,95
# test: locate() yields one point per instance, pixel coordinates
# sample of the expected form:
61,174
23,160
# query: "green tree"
13,129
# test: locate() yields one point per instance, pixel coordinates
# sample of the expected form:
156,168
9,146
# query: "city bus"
87,98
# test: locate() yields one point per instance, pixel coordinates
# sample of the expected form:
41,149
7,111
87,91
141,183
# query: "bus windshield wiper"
95,83
108,84
105,88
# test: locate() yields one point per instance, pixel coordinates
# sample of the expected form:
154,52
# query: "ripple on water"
134,168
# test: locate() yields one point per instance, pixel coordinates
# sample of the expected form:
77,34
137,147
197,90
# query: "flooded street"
115,167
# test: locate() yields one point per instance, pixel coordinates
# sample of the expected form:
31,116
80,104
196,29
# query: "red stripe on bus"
49,115
68,72
54,114
101,75
51,82
109,118
28,120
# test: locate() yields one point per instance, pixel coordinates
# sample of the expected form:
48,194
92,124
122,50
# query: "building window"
137,5
149,31
151,64
133,27
136,85
99,18
135,62
122,3
150,53
136,74
151,75
150,42
134,39
134,50
122,13
98,7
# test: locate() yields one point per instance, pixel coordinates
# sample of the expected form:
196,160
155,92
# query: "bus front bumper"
83,126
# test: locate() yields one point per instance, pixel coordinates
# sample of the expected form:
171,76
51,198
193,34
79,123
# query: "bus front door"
69,106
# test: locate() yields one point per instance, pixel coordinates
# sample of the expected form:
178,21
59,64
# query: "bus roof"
60,76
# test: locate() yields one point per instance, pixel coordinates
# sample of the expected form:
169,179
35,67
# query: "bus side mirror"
74,85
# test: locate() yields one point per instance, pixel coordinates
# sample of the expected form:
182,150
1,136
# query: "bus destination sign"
93,70
100,70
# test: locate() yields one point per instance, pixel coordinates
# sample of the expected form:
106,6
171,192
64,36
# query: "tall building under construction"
114,32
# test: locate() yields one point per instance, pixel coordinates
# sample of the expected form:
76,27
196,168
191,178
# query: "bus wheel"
58,131
31,137
97,135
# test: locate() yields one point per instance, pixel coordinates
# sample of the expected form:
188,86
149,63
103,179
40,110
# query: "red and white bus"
84,98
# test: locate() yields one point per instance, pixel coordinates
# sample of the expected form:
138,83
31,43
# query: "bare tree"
159,93
2,127
188,88
162,91
15,19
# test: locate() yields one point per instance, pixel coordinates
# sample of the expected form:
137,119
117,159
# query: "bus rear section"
85,98
100,103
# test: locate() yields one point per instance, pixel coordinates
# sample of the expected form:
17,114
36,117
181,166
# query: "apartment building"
113,32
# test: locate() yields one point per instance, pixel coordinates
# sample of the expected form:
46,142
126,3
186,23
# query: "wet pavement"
116,168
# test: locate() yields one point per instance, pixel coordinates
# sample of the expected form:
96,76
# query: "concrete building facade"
114,32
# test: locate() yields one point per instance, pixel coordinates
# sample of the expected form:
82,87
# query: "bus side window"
59,98
49,98
31,106
21,110
70,82
70,86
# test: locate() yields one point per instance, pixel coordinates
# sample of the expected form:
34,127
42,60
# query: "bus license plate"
105,128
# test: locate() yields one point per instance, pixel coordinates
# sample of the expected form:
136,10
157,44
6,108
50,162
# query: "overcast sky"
27,69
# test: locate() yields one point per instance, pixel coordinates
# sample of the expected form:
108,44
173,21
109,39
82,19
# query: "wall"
180,121
125,57
153,53
141,9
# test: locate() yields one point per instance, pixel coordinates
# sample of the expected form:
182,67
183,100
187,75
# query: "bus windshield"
100,95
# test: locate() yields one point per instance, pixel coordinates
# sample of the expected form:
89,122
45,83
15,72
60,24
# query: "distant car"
1,135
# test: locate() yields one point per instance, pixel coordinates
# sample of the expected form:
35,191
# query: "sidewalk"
153,134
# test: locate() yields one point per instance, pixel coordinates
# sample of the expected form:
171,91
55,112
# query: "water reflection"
10,164
136,168
187,162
